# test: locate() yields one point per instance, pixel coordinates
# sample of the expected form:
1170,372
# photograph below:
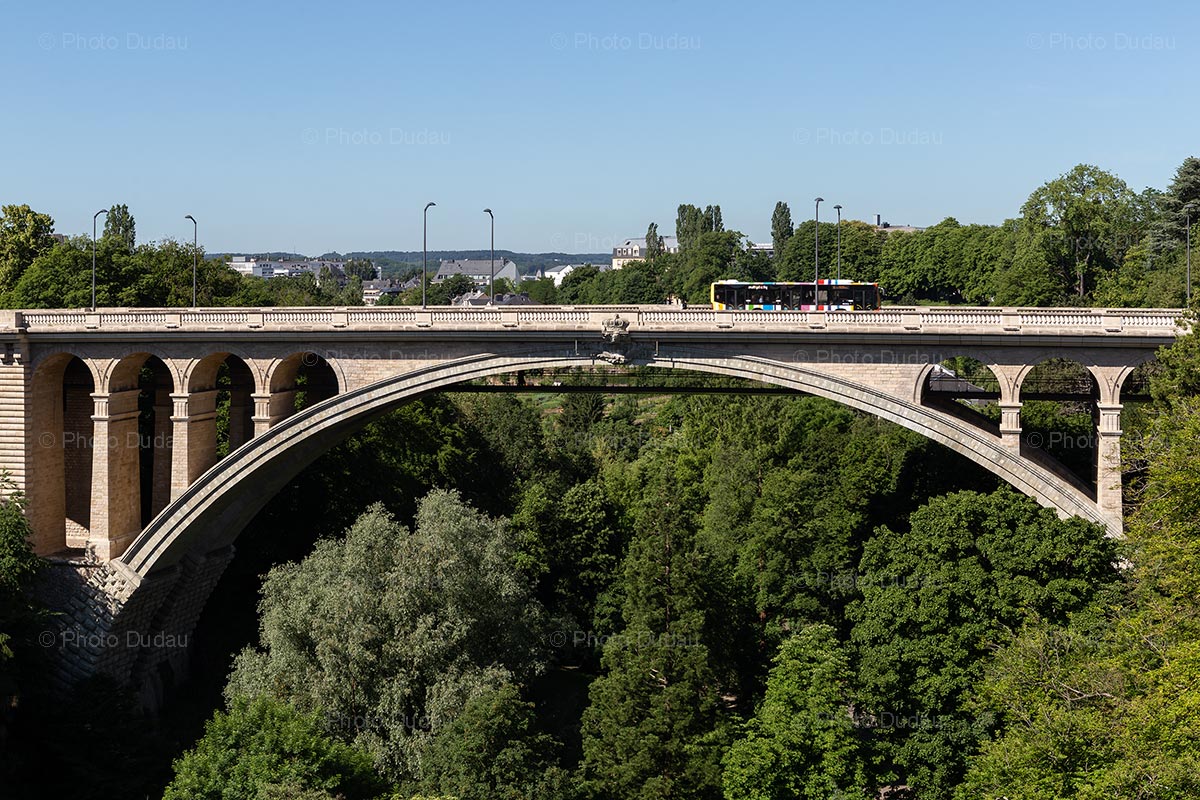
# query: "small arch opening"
78,386
1060,414
300,381
965,387
59,480
154,437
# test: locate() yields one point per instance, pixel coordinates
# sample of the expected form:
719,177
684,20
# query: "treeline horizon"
1082,238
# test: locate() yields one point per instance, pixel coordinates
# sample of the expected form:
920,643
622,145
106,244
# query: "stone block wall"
104,622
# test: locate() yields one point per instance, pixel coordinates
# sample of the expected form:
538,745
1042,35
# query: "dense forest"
586,596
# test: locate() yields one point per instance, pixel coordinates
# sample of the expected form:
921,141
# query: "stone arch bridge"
137,494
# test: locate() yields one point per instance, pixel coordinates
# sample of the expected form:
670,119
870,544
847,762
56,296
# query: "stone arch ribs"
208,515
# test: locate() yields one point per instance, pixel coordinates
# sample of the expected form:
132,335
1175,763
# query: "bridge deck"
959,320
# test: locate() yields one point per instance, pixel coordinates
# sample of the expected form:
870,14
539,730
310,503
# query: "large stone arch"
212,511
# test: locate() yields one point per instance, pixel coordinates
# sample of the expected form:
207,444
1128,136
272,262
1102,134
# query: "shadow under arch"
212,511
962,385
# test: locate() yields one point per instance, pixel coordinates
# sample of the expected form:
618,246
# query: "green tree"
654,242
781,226
800,743
24,235
689,223
655,727
969,567
709,257
362,268
391,632
711,221
492,751
541,290
61,278
120,230
580,287
1074,229
860,252
1169,229
440,294
1033,279
265,748
572,545
20,615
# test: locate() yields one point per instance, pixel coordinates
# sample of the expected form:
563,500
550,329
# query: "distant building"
888,227
252,266
767,249
558,274
373,290
635,250
479,270
269,268
480,298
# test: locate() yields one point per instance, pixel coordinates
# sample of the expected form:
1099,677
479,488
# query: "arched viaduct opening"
113,443
210,512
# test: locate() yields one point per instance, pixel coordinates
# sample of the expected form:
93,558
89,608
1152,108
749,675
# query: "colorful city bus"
831,295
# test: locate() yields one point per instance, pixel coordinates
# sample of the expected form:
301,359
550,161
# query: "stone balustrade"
1165,322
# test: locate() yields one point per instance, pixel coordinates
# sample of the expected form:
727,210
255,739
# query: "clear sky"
327,126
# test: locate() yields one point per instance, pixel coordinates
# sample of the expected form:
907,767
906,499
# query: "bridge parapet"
1165,322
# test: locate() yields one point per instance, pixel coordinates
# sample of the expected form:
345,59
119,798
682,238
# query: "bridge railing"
891,319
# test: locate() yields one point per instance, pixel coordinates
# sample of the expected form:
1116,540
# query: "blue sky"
328,126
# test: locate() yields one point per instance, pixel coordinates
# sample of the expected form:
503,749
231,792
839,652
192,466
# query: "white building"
558,274
635,250
258,268
268,268
373,290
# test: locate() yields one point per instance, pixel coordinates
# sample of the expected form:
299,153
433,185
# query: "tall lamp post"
195,256
1187,210
425,253
98,213
838,208
817,252
492,283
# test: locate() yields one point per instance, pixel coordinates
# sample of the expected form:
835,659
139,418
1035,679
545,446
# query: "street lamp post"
98,213
817,251
838,208
425,252
492,283
1187,210
195,256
